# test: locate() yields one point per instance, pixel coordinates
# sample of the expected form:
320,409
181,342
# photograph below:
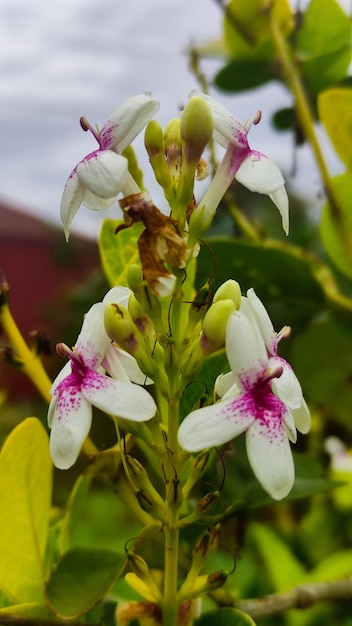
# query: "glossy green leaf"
336,230
335,113
324,44
81,578
118,251
281,565
244,74
321,357
284,277
225,617
25,498
246,27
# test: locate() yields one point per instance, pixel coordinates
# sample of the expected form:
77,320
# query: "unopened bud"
196,128
215,320
173,147
140,577
134,276
229,290
154,143
197,470
175,494
207,503
120,327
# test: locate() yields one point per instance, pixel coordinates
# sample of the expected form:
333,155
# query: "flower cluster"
261,396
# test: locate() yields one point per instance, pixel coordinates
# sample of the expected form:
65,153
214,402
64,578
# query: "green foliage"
118,251
25,499
80,579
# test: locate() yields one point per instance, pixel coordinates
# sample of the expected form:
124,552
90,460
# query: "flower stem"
293,81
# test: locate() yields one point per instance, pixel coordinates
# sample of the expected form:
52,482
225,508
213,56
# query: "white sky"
61,60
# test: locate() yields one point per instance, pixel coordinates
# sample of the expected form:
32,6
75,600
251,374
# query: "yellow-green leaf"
118,251
336,229
25,498
335,113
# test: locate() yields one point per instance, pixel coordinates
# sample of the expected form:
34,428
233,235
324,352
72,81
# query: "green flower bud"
196,128
175,494
229,290
173,147
154,143
142,481
120,327
215,321
197,470
134,276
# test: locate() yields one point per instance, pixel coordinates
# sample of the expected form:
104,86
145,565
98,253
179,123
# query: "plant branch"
300,597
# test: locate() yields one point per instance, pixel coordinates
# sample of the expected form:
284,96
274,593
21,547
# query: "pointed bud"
134,276
173,147
175,494
229,290
197,470
142,481
141,579
207,503
120,327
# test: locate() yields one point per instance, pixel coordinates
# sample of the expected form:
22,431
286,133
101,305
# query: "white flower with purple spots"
249,167
103,174
261,396
82,383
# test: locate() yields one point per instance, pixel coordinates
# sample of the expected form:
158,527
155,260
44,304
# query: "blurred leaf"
225,617
335,113
338,565
28,611
284,119
336,231
25,498
244,74
321,357
281,275
283,568
119,251
246,27
80,579
324,44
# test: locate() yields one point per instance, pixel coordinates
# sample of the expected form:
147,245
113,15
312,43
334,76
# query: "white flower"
103,174
261,397
249,167
82,383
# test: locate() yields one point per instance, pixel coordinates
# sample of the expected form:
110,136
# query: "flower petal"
263,320
122,399
103,173
302,417
270,456
118,295
71,201
93,342
212,426
95,203
70,416
224,384
245,350
127,121
287,386
260,174
118,361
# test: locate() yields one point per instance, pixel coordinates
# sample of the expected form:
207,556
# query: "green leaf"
214,365
246,27
284,277
321,357
336,230
282,566
118,251
335,113
244,74
25,497
324,44
80,579
225,617
338,565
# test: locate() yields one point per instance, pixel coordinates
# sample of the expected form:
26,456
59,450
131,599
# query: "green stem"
171,531
293,81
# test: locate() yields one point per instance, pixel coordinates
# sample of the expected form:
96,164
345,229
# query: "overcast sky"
61,60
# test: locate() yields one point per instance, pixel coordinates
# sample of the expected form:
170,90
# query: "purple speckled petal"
270,456
245,350
124,400
214,425
287,386
71,201
70,416
103,173
127,121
